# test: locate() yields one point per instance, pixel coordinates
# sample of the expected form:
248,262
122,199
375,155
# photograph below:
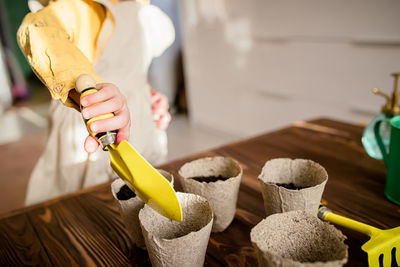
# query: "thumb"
91,144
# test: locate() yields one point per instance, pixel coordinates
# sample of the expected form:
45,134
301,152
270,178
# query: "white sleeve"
35,5
158,28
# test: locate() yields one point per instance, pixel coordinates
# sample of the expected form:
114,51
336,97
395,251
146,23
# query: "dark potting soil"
210,179
125,193
291,186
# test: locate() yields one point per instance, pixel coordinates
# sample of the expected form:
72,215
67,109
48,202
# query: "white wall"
252,66
5,92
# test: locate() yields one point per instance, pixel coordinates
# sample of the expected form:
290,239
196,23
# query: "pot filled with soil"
218,180
129,206
292,184
298,238
172,243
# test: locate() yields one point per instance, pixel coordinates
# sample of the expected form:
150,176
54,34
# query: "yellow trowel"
137,173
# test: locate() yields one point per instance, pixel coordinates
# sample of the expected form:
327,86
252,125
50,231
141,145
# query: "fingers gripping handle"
86,85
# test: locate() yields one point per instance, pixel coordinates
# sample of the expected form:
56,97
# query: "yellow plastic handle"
329,216
86,85
100,117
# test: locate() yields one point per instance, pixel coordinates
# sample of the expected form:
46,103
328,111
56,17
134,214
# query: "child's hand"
159,109
108,99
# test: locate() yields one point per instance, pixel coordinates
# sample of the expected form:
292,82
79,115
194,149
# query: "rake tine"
387,258
398,255
373,260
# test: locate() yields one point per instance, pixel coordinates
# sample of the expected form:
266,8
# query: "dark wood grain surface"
85,228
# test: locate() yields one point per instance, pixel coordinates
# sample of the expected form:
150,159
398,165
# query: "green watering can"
391,159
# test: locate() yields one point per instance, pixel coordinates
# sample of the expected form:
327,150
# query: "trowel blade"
153,188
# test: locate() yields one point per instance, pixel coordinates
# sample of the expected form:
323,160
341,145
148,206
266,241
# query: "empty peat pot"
172,243
129,206
292,184
298,238
218,180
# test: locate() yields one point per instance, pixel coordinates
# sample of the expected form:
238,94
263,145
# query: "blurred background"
236,69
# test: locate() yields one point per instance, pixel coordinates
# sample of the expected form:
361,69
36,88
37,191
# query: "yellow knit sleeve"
59,42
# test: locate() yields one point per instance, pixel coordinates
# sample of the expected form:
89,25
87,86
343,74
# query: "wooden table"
85,228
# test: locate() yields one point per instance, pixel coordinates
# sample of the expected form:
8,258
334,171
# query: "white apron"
141,33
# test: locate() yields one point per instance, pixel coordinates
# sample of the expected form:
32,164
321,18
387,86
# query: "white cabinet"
252,66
